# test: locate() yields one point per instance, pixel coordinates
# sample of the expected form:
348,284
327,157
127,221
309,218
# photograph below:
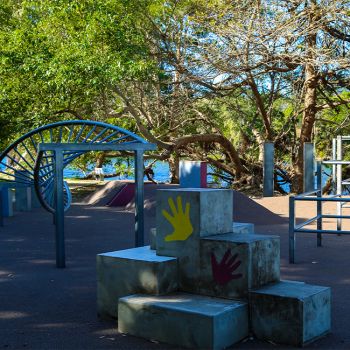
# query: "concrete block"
205,211
7,196
186,320
23,195
242,227
35,200
193,174
153,238
232,264
136,270
185,215
290,312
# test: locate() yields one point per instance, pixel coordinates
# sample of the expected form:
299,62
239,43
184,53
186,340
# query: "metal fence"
316,196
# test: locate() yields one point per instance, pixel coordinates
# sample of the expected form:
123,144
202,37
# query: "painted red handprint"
223,272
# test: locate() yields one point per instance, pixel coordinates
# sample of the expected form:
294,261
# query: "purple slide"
124,196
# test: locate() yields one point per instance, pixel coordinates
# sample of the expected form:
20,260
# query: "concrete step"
7,197
290,313
232,264
23,196
183,216
184,319
237,227
242,227
130,271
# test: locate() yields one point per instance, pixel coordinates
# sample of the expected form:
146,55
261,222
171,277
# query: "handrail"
306,194
298,228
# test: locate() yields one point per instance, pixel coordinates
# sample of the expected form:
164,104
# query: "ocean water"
162,173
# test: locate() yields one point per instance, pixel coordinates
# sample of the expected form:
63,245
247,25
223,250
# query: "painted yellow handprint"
180,220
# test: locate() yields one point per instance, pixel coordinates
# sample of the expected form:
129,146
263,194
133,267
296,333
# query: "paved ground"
42,307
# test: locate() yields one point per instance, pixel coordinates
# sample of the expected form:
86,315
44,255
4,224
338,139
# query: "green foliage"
66,55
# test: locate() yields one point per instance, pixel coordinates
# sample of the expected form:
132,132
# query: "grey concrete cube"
232,264
23,196
35,199
291,313
153,238
242,227
136,270
185,215
184,319
210,212
7,197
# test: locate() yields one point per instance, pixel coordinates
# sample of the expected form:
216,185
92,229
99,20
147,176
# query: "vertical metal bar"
319,203
268,169
59,210
139,214
291,229
308,171
2,197
334,167
339,179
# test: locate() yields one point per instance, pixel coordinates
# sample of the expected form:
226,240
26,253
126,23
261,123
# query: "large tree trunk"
174,169
100,159
309,112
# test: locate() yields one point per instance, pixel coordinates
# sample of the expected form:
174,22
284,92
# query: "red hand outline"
223,272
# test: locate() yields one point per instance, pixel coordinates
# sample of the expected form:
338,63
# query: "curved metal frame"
38,169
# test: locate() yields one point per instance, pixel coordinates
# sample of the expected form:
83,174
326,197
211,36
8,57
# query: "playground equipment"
20,157
204,285
42,154
314,194
268,168
193,174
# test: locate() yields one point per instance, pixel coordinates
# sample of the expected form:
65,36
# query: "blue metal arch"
24,166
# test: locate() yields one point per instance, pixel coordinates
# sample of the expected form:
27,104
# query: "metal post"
339,179
319,203
268,169
291,229
308,171
1,206
139,214
334,167
59,210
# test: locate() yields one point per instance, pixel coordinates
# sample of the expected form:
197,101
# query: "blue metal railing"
314,196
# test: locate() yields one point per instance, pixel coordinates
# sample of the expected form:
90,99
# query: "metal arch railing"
24,165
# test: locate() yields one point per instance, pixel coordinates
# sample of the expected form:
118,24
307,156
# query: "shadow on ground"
47,308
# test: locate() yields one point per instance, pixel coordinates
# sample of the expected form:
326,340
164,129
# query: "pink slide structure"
124,196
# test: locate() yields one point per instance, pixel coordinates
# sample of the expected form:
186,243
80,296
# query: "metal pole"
319,203
308,171
268,169
2,196
59,210
291,230
139,214
339,179
334,167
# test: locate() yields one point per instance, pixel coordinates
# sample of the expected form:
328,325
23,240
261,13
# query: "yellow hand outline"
180,221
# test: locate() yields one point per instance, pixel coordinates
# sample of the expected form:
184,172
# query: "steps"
257,260
290,313
197,249
136,270
184,319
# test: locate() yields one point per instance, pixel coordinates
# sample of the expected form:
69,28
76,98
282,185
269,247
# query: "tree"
266,50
